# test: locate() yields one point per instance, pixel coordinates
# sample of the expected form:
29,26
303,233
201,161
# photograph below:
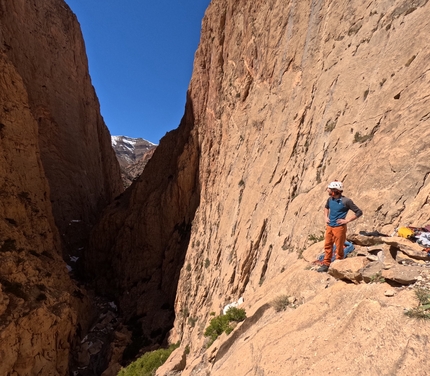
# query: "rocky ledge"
395,260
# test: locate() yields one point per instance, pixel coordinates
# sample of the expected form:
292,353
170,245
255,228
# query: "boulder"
175,363
370,272
403,274
364,240
348,268
408,247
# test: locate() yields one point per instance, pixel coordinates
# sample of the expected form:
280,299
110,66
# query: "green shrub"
316,238
221,324
423,309
236,314
377,278
148,363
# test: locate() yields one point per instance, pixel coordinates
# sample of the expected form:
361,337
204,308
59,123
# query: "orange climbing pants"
334,235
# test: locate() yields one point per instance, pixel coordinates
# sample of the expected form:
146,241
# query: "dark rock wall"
57,172
138,247
44,42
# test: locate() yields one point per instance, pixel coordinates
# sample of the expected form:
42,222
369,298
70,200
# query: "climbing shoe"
322,269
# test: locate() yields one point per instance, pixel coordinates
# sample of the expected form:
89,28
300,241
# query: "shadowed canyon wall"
44,42
57,171
37,314
136,248
284,98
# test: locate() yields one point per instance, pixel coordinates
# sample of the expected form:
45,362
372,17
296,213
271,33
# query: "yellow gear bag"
405,232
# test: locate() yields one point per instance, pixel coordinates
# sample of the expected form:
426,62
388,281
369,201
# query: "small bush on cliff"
377,278
316,238
280,303
221,324
423,309
148,363
360,139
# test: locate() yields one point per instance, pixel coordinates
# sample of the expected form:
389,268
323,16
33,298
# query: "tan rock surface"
405,275
356,321
351,320
349,269
175,363
372,272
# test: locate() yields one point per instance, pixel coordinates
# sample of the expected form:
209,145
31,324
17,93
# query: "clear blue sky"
140,55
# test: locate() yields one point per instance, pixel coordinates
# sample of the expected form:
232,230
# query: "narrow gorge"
284,98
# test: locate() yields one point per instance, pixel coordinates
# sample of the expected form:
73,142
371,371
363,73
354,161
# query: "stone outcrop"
57,172
284,97
133,154
360,322
364,266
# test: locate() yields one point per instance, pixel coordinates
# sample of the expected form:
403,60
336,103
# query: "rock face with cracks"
44,43
38,314
57,171
284,98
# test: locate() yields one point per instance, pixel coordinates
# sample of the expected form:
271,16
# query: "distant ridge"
133,154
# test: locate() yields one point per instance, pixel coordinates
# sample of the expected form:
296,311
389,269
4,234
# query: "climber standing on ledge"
335,211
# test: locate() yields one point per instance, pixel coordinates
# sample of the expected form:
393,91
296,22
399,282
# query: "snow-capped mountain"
133,154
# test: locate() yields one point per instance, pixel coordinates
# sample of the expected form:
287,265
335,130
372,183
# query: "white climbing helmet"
336,185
